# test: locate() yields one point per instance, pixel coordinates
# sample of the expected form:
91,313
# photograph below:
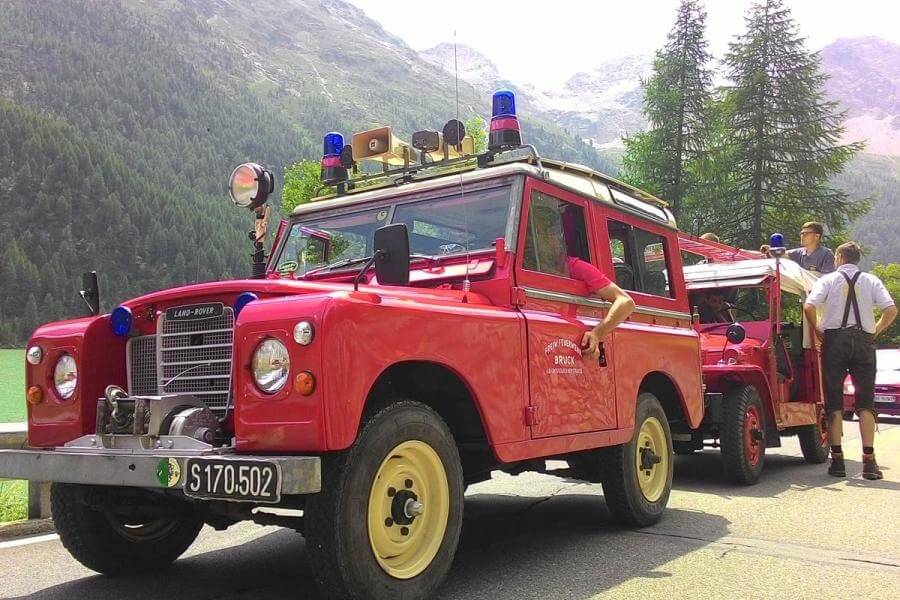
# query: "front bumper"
130,468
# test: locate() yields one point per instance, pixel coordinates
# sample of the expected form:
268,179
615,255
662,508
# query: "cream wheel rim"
652,459
409,506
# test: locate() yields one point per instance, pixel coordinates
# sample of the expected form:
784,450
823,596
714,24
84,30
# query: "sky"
530,43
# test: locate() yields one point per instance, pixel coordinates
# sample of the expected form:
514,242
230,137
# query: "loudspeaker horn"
380,145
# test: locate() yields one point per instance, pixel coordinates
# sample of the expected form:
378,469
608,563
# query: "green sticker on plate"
168,472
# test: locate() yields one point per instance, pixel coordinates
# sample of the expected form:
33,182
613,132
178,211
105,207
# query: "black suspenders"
851,301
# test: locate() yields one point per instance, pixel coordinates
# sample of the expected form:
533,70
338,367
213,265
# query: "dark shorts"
848,351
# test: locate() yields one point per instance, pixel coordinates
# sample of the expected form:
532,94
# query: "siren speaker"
380,145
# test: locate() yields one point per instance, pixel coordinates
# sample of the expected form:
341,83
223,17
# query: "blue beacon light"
504,131
120,320
242,301
333,171
776,245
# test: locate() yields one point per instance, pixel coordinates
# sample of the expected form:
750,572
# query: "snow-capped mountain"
599,106
865,79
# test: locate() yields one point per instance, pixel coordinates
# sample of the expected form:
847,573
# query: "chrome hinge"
517,296
532,415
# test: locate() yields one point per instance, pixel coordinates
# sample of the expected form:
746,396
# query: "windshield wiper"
344,262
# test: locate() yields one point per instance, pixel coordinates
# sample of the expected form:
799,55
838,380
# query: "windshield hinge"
517,296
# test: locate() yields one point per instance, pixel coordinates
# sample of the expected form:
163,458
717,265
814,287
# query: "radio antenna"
466,283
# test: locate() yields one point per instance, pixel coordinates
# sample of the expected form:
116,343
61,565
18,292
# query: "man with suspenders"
848,329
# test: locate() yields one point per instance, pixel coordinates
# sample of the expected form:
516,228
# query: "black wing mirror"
90,292
392,254
736,333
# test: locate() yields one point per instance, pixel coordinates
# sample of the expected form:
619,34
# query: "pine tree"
675,99
786,133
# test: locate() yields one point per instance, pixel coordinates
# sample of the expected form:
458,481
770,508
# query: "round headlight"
304,333
35,355
250,185
65,376
271,366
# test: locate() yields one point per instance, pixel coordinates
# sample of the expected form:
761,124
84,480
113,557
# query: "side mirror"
392,254
90,292
736,333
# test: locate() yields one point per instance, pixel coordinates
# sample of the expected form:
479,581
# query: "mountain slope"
122,120
865,78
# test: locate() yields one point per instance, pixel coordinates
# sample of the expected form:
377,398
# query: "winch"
155,416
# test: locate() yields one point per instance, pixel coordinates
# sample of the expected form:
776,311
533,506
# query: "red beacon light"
334,170
504,132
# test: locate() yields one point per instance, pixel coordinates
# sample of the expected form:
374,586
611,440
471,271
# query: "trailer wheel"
637,475
115,545
743,435
814,439
387,521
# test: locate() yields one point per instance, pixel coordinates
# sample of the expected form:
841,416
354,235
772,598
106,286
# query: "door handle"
602,358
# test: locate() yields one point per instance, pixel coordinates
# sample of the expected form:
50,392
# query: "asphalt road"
798,533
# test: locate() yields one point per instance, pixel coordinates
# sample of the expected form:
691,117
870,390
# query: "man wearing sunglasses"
813,256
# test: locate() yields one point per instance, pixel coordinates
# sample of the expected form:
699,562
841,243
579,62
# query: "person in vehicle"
713,308
847,332
812,255
710,237
560,253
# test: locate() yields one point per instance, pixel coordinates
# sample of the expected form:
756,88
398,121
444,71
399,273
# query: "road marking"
38,539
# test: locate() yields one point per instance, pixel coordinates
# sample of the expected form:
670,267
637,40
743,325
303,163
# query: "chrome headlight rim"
270,365
65,376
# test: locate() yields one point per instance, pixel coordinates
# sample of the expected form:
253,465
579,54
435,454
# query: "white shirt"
830,294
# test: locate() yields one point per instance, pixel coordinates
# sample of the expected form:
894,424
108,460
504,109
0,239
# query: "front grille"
194,357
184,357
141,356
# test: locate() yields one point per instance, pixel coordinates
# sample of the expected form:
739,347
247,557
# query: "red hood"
289,287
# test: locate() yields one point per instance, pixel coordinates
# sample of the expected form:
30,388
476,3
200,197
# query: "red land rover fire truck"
361,403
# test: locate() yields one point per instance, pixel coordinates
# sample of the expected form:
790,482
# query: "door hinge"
517,296
532,415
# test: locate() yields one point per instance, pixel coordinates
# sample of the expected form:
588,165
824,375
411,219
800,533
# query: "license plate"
236,480
886,399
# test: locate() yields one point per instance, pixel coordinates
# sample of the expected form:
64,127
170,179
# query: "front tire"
114,545
637,475
388,519
814,440
743,435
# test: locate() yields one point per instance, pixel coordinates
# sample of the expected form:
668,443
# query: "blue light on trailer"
242,301
120,320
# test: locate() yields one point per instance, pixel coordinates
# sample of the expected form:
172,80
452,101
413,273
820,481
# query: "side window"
639,259
556,231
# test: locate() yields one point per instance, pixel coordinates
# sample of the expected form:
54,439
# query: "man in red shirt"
601,286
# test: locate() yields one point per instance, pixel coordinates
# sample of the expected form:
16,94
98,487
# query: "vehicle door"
568,393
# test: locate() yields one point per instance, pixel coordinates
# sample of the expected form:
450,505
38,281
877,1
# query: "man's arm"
622,307
810,311
887,318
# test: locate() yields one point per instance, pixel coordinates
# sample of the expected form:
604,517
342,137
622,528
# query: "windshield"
888,360
439,226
